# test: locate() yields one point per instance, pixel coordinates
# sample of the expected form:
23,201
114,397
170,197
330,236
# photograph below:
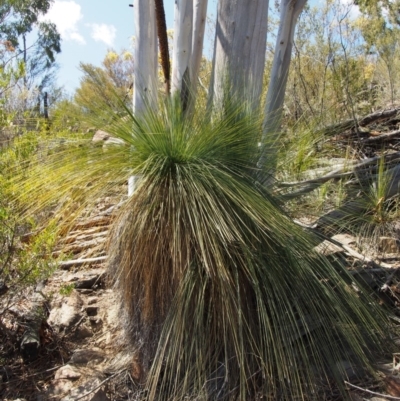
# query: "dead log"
360,169
30,343
381,138
79,262
346,125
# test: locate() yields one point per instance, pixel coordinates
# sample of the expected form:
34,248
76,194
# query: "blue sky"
90,27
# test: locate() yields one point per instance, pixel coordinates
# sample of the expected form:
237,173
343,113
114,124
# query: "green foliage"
102,86
19,17
26,72
223,294
67,289
26,244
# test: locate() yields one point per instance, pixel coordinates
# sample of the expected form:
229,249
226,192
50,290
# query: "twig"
101,384
389,280
390,397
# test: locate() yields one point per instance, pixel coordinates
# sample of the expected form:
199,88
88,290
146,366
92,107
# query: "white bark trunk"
146,57
290,11
239,50
199,25
182,52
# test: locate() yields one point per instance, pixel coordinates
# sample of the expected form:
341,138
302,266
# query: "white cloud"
353,9
66,15
103,33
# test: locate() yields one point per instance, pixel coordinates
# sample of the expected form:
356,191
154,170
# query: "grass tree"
223,295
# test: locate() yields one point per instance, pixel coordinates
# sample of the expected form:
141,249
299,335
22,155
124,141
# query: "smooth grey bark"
239,50
146,57
290,11
182,52
199,25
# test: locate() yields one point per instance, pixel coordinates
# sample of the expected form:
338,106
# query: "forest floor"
63,340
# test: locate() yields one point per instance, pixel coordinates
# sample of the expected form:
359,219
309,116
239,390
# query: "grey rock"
86,356
68,313
89,388
93,278
100,136
67,372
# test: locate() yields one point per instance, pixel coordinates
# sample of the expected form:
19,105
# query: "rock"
327,248
92,310
88,388
345,239
92,300
86,356
70,311
67,372
93,278
100,136
388,245
83,331
60,387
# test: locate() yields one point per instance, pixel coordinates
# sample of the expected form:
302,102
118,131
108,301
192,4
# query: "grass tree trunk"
163,42
146,61
199,24
290,11
239,49
182,53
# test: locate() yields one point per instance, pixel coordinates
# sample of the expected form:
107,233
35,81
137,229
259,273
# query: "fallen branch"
390,397
79,262
381,138
100,384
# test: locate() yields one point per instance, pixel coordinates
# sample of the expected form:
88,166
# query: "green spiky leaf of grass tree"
380,201
222,294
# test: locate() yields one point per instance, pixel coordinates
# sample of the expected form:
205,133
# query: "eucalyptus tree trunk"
182,52
146,58
290,11
199,25
239,50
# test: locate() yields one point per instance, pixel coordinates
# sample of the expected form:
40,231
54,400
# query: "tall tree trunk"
146,58
290,11
199,25
163,43
182,53
239,49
